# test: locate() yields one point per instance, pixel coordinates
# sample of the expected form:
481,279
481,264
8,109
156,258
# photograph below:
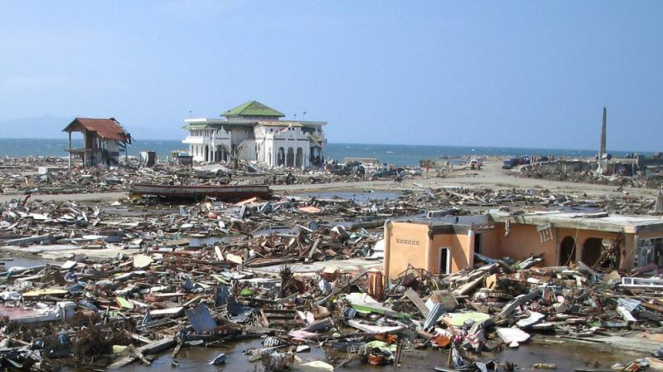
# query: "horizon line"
392,144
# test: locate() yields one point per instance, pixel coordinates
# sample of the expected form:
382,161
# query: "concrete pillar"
579,249
387,249
69,150
429,261
632,258
470,241
558,247
86,155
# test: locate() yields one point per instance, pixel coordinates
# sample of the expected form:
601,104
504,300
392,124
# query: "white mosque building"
257,133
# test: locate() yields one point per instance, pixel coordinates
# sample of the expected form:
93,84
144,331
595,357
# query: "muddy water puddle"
358,197
568,356
24,261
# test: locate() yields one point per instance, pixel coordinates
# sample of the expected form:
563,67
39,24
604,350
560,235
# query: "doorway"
591,251
290,158
477,243
299,158
567,251
445,261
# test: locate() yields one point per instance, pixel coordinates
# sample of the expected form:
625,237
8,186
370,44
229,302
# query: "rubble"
134,279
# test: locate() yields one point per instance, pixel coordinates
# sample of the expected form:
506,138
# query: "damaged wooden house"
600,240
103,139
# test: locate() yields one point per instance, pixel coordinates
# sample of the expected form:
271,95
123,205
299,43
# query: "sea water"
388,154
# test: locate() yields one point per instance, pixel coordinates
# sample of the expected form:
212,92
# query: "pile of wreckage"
641,180
504,304
259,224
134,307
45,175
215,272
543,199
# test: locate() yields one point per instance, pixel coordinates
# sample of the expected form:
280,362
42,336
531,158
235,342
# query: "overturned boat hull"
201,192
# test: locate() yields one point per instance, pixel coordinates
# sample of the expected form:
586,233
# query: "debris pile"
130,308
137,278
51,175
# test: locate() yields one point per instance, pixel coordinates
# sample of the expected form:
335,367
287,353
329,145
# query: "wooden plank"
151,348
417,301
652,307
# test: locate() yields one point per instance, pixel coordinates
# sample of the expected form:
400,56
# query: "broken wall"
524,240
406,244
410,244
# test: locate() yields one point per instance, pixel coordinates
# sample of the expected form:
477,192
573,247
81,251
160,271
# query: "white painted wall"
260,143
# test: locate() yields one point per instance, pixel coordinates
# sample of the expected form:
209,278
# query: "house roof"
253,108
105,128
194,126
601,221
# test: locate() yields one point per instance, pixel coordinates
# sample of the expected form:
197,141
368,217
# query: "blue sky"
518,74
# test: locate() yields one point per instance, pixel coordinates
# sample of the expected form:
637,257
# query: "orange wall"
524,240
461,252
409,244
400,254
581,237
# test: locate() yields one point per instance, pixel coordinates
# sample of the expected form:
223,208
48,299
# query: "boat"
200,192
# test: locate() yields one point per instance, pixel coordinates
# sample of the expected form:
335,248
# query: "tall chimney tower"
603,129
602,147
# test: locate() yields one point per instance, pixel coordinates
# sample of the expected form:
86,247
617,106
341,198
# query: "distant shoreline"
523,150
401,155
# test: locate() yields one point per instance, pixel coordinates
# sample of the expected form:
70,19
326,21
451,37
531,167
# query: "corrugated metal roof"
105,128
201,320
253,108
196,126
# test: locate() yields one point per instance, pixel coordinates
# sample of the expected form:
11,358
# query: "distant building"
254,131
102,141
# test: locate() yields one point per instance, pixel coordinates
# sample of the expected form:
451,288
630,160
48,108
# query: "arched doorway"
316,158
591,251
290,159
299,158
206,153
281,157
221,154
567,251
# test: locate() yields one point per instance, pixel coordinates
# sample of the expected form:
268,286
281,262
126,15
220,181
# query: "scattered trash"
124,281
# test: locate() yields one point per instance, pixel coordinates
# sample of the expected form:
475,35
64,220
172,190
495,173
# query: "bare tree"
235,152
